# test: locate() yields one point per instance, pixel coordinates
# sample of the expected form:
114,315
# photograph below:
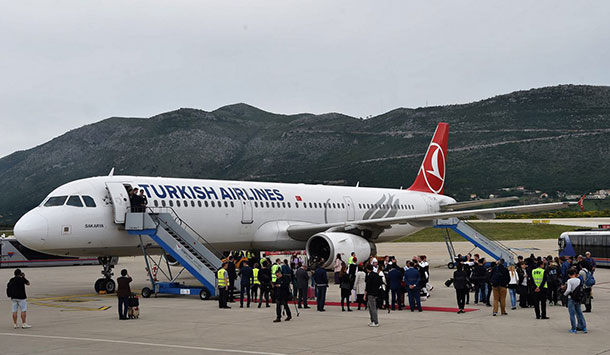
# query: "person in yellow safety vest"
274,269
539,285
223,284
255,282
350,261
263,259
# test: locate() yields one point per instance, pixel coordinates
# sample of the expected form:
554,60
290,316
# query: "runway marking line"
173,346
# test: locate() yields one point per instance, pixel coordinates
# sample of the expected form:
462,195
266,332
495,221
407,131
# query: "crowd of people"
536,281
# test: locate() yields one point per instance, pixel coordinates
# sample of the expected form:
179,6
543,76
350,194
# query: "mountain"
553,138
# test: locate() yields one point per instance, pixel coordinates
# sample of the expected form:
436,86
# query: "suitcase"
311,293
133,309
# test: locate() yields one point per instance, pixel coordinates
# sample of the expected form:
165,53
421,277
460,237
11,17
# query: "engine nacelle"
328,244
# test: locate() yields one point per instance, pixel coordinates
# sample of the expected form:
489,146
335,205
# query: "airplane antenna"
111,172
358,184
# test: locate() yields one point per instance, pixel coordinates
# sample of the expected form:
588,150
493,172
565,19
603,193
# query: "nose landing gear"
106,283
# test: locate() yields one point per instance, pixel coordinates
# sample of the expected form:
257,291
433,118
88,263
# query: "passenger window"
310,205
171,203
163,203
205,203
288,204
199,204
267,204
192,203
273,204
156,203
283,204
74,201
56,201
232,204
178,203
89,202
226,204
220,204
255,204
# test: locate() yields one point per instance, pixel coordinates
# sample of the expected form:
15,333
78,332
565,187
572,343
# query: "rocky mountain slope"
554,138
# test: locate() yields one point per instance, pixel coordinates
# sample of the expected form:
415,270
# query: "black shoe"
241,306
342,309
299,307
277,320
259,305
321,310
288,318
268,306
306,307
586,311
226,307
420,310
545,318
349,310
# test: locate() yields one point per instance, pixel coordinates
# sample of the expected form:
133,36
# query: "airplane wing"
304,231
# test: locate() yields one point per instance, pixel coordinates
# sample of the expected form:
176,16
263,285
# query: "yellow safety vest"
350,261
273,271
222,277
255,276
537,276
262,261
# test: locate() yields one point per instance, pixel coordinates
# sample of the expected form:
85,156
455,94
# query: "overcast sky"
64,64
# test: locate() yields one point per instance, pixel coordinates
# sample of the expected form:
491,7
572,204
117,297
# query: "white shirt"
572,283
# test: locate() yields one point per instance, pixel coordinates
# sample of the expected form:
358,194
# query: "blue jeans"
576,313
480,292
321,296
513,297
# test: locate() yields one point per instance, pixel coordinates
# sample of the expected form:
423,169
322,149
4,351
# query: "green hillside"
550,139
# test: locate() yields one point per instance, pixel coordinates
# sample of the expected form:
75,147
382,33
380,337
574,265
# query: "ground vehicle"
596,241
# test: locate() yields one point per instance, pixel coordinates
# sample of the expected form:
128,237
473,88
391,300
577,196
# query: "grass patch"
498,231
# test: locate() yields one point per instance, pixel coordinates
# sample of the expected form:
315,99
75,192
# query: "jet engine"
327,245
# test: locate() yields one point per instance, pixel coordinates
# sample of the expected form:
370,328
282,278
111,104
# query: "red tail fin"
431,176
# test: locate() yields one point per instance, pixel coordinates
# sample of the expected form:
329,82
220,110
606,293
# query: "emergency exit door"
349,206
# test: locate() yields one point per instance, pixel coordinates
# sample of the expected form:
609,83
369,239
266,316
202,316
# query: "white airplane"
86,217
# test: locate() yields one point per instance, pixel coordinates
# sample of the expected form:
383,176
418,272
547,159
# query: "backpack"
590,279
10,289
578,294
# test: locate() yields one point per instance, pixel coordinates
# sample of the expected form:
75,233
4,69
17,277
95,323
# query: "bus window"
89,202
55,201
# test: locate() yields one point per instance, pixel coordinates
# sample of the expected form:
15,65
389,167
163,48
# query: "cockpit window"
74,201
55,201
89,202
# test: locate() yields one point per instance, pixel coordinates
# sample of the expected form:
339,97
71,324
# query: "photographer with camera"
15,289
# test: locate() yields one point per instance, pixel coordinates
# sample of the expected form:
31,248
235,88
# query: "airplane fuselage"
230,215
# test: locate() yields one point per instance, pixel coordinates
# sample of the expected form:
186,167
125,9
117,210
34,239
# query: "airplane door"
246,212
120,200
349,205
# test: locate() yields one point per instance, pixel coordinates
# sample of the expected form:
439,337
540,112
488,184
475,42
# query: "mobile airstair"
183,244
492,247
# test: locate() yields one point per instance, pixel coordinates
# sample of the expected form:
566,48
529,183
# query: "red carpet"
312,303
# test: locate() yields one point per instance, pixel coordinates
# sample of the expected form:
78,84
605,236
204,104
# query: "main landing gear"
106,283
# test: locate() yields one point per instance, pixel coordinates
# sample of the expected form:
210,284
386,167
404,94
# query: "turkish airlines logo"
433,168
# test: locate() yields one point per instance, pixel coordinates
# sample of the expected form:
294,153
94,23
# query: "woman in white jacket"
360,287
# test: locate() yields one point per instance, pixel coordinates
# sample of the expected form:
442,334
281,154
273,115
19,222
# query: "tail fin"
431,176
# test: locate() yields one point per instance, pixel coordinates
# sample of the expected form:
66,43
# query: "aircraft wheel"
451,265
98,285
204,294
146,292
108,285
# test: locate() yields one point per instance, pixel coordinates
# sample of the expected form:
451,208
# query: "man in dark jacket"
123,292
499,283
460,283
321,280
232,277
282,285
302,282
412,280
372,291
264,277
395,277
16,291
246,281
478,279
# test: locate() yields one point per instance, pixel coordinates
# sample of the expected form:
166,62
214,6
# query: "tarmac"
67,317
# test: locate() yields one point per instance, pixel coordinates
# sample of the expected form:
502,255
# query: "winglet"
431,175
581,204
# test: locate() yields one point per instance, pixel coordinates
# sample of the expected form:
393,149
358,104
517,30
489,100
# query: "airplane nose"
31,230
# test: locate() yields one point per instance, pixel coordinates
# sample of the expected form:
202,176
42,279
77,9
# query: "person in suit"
395,279
302,283
460,283
282,285
232,277
412,279
246,282
321,280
